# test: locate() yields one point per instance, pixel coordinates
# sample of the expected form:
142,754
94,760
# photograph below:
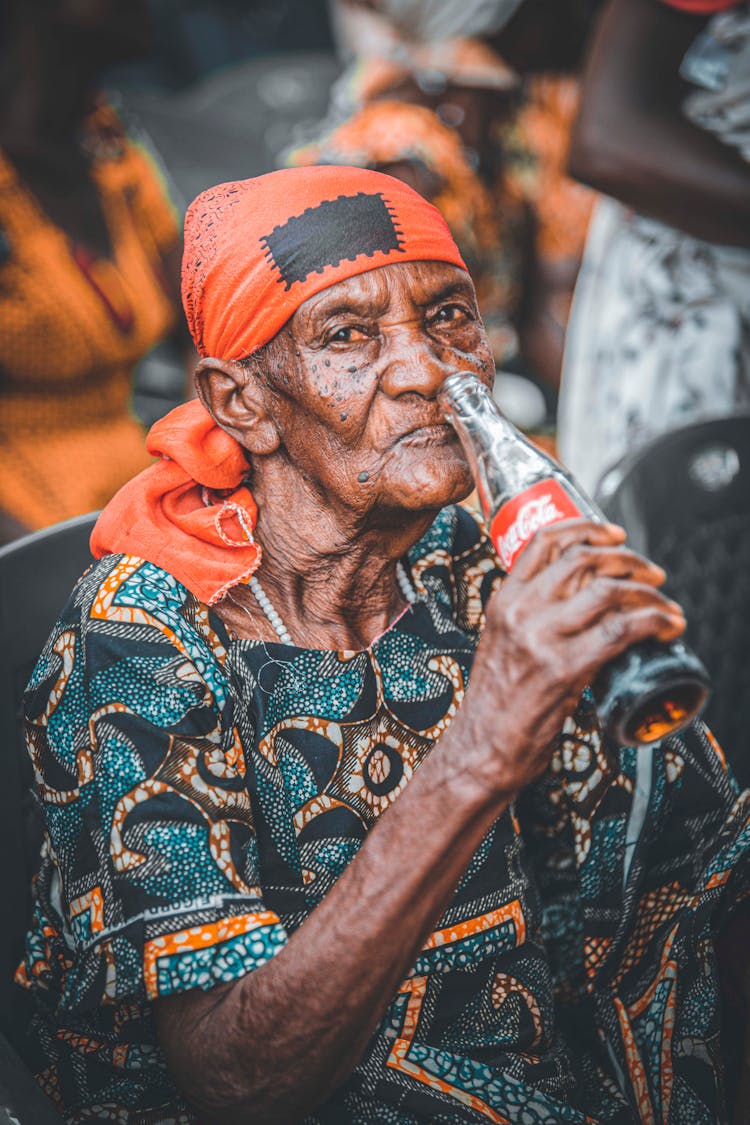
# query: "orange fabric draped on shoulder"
189,512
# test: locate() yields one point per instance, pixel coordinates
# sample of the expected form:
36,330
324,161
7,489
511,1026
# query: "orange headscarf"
255,250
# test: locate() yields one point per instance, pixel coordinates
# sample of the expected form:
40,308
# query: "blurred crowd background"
590,156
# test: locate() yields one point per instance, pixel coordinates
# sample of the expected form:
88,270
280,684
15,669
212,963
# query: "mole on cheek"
363,477
344,417
327,362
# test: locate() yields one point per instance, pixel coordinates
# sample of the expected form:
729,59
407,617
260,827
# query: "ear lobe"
235,398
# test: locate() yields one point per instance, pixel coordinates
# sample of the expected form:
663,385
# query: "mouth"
441,433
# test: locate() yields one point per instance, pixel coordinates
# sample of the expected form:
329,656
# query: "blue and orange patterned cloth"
203,793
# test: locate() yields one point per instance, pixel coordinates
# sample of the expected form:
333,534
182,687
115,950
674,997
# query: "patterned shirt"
203,793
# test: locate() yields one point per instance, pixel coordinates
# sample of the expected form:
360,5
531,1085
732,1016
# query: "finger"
604,597
615,633
591,649
552,541
582,564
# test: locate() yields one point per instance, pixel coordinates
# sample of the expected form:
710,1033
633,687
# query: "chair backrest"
685,501
37,574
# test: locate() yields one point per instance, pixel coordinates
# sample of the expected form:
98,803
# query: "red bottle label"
515,524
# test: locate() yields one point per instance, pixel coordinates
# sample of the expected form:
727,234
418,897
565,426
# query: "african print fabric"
202,794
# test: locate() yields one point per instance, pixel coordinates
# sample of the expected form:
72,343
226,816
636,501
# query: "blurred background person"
660,329
89,261
434,119
430,97
545,44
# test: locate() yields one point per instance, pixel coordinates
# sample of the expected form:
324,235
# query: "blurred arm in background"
632,139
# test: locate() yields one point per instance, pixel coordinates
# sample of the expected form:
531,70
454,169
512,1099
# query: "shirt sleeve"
150,198
141,775
701,7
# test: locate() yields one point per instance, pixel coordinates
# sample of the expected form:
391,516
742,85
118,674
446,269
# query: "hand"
575,599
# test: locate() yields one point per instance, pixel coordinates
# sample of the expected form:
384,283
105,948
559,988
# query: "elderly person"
306,858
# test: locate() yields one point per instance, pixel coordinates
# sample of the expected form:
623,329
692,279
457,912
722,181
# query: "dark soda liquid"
650,691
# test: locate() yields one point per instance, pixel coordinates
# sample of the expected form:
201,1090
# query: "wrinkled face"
355,375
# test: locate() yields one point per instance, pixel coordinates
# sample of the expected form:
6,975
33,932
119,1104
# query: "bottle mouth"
662,714
461,384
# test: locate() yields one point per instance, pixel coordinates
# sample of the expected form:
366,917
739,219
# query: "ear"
235,397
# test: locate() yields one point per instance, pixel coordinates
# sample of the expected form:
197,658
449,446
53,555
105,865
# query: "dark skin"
269,1048
632,140
544,37
341,407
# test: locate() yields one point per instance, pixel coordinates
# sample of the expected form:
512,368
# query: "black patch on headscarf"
336,230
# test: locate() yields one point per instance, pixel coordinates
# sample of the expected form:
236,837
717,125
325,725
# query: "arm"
632,140
280,1040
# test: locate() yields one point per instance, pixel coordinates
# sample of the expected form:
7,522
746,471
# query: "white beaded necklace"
278,626
272,616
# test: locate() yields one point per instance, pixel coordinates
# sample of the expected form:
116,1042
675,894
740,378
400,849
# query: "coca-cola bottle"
652,689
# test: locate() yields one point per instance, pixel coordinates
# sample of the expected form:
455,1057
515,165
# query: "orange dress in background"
485,220
537,172
72,328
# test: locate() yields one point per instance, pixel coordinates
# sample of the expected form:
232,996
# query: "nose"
412,365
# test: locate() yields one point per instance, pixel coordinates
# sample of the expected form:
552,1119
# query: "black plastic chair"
685,501
37,574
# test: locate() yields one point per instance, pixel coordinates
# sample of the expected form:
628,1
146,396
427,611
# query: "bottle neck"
520,488
503,461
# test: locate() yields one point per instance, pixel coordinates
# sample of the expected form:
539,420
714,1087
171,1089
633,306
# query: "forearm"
632,140
678,175
280,1041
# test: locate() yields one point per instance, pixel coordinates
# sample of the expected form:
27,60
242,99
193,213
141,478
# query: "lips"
435,434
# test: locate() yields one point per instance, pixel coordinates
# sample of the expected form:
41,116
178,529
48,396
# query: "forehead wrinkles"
367,293
376,292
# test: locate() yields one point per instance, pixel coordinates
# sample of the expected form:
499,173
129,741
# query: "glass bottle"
650,690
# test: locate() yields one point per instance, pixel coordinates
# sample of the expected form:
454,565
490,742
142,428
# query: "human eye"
347,334
453,313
